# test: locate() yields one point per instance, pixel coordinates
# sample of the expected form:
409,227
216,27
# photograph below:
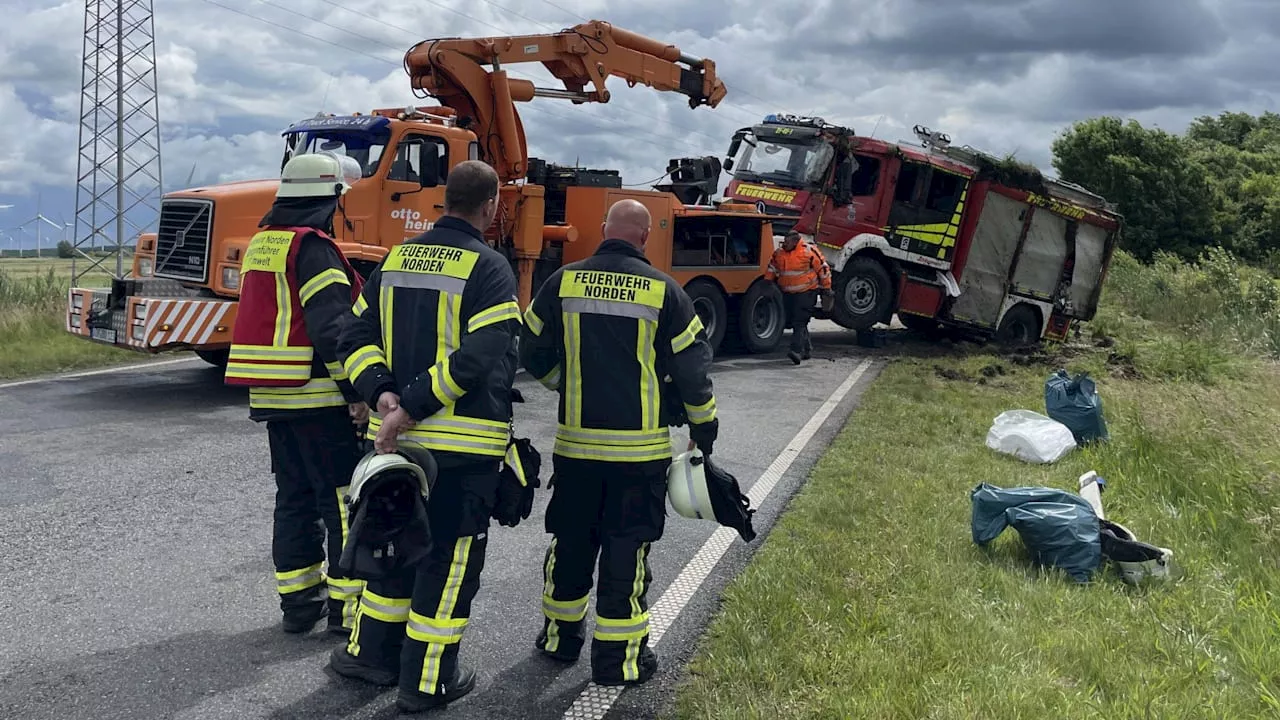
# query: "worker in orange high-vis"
801,273
296,291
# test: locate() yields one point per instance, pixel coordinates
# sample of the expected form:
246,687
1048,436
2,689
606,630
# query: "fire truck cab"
935,234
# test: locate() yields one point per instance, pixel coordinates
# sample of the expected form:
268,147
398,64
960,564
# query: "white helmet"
687,486
387,506
318,175
1135,560
373,465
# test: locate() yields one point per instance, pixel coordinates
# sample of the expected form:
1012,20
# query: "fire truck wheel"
1019,328
864,294
216,358
710,305
761,319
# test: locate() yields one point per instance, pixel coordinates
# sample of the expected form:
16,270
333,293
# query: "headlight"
231,278
144,267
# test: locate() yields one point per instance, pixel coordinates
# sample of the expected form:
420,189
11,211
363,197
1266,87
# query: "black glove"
704,435
515,499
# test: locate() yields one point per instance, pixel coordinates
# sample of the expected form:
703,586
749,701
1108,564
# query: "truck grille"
182,242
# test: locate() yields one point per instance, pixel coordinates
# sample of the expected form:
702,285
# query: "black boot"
795,357
463,682
348,666
302,618
561,653
648,662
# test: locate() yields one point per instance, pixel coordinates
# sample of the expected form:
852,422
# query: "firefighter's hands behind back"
704,434
387,402
393,424
359,413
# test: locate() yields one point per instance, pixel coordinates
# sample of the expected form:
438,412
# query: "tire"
863,294
1020,327
761,318
216,358
710,305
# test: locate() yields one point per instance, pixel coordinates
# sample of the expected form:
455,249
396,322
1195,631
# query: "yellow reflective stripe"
322,280
686,338
344,588
573,369
703,413
383,608
270,352
448,328
447,434
359,306
532,321
647,357
565,610
365,357
498,313
443,385
551,380
606,436
623,629
284,311
343,520
319,393
386,302
443,629
265,371
612,453
335,370
291,581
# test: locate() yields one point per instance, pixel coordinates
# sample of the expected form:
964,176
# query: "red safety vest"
269,342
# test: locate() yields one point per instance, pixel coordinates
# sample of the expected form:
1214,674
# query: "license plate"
107,335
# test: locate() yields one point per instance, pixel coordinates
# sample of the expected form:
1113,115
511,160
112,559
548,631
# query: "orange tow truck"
181,293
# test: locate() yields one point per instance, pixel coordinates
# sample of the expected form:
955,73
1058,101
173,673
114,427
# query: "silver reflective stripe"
441,632
610,307
553,378
577,610
611,629
399,613
618,436
699,415
606,451
423,281
795,272
308,577
458,424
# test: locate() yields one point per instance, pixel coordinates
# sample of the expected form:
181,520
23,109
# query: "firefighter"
432,349
604,332
296,290
801,272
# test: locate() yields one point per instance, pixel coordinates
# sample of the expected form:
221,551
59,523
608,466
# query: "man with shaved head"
605,332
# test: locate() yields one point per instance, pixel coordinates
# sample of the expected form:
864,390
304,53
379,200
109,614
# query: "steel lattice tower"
118,180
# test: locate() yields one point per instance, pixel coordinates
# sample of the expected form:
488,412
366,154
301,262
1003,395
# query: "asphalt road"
135,572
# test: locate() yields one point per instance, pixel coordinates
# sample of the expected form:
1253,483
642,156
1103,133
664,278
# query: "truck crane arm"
453,70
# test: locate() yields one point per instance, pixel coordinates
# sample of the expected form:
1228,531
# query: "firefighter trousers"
799,308
411,624
312,458
607,515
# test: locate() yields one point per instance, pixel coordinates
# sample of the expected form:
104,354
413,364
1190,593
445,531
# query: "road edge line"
595,701
104,371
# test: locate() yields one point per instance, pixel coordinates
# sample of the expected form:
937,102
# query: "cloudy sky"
1001,75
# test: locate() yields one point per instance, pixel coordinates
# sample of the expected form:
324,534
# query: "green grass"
33,297
869,598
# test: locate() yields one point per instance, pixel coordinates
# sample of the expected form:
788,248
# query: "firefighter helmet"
1136,560
386,502
699,489
317,175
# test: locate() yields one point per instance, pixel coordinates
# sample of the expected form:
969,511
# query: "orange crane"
183,290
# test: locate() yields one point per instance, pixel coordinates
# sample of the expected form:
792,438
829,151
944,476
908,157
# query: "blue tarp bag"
1058,528
1075,402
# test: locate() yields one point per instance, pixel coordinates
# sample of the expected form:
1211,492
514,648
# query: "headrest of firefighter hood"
700,489
387,507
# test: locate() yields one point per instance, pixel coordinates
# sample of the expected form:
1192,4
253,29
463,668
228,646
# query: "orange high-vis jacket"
800,270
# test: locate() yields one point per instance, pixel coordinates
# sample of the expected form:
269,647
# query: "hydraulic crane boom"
453,70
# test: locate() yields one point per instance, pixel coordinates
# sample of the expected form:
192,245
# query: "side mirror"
429,165
728,165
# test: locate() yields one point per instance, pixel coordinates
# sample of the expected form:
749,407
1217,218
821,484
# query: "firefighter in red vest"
801,272
296,290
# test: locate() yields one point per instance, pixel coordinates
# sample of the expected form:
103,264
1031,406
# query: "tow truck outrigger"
935,233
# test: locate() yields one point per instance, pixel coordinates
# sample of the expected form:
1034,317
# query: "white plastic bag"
1030,436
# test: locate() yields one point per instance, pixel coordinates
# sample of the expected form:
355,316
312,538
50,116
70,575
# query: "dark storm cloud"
930,33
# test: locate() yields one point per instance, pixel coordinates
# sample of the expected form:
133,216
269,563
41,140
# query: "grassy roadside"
870,600
33,296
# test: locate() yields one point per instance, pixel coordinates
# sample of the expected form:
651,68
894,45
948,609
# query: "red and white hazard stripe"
189,322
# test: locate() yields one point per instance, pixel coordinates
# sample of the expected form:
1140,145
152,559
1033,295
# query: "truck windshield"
366,151
791,164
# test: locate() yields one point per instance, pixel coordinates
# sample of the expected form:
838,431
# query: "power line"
398,64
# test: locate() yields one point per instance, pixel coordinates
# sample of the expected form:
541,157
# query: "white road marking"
596,700
123,368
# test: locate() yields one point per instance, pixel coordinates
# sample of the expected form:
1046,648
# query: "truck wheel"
709,303
216,358
761,318
864,294
1020,327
